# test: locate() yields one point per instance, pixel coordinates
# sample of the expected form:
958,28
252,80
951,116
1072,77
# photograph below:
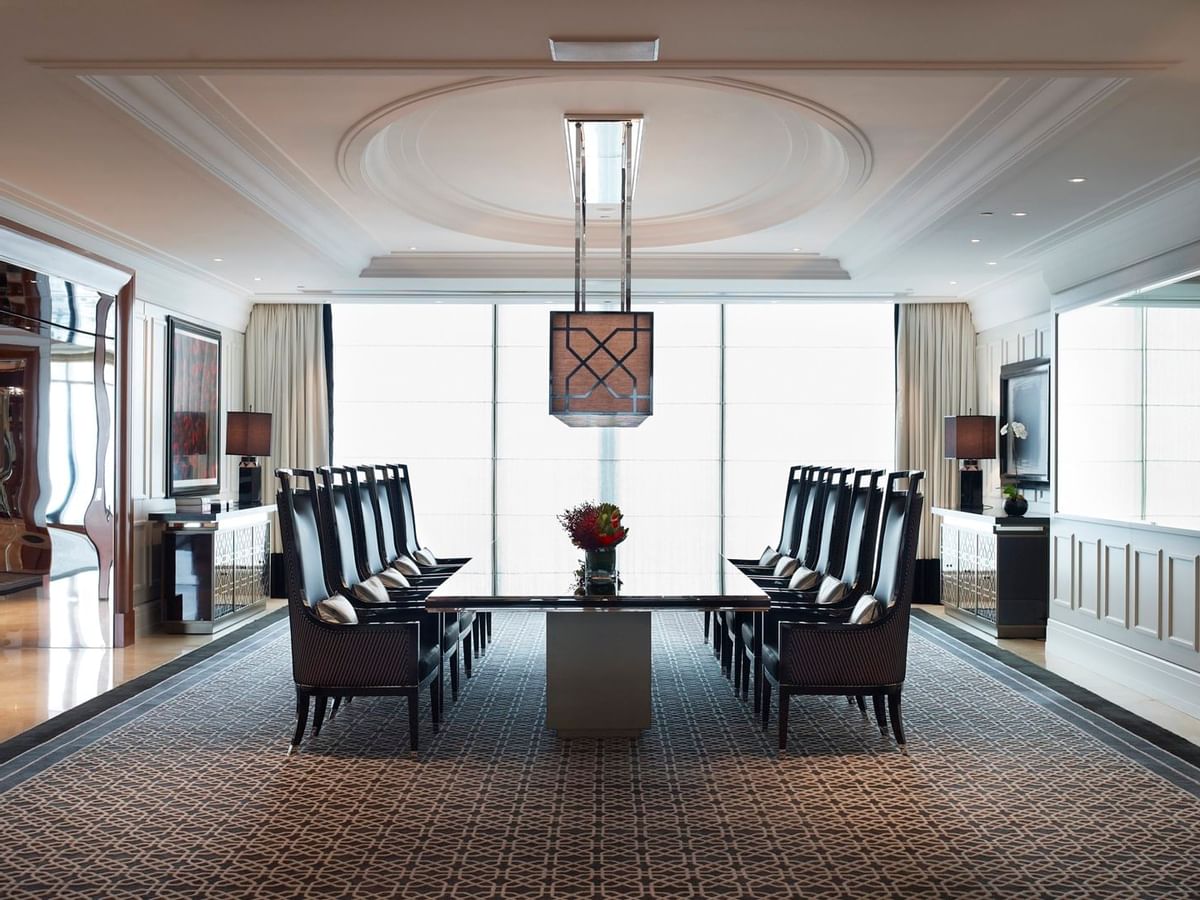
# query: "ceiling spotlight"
218,259
1019,214
1078,179
257,278
992,263
954,282
412,248
974,240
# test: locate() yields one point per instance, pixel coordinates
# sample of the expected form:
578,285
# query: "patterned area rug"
1004,791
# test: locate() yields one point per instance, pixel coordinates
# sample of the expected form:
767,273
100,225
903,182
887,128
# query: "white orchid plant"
1018,430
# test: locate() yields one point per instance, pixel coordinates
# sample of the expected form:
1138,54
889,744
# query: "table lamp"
248,435
970,439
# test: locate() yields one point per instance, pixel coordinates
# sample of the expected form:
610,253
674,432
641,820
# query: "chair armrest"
834,653
366,655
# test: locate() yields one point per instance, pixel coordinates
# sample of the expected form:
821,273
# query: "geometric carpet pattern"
997,795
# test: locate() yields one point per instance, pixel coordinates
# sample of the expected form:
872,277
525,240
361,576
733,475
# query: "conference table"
598,666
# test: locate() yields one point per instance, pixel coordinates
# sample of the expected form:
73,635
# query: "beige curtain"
935,377
286,377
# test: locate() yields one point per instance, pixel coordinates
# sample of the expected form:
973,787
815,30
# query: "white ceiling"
378,149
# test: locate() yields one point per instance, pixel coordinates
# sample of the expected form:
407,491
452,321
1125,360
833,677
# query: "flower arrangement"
594,526
1018,429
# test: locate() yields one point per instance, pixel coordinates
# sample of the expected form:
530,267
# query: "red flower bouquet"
594,526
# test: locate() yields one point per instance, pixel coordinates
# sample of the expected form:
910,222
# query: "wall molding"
1156,678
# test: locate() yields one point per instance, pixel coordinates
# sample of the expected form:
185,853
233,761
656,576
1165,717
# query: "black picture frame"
193,409
1025,398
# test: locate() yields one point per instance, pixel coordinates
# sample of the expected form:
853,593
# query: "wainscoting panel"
1162,570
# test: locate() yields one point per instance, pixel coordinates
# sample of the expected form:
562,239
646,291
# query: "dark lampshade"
601,367
970,437
248,434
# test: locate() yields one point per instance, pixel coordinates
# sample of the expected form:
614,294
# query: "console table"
216,567
996,571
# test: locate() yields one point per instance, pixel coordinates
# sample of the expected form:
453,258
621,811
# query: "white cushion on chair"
425,557
786,566
405,566
832,590
392,578
866,610
769,557
804,579
336,611
371,591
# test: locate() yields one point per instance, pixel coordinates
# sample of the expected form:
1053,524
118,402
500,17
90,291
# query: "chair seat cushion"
371,591
804,579
785,566
425,557
336,611
405,566
393,579
769,557
832,590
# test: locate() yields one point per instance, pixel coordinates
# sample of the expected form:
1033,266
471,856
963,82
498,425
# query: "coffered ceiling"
381,150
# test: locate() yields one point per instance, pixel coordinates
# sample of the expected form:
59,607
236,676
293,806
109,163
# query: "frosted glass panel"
1129,412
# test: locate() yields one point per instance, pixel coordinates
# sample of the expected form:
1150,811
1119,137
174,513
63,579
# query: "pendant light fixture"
602,363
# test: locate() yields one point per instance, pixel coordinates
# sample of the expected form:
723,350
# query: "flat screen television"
1025,410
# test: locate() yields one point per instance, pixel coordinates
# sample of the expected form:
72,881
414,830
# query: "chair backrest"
367,518
834,515
300,530
810,524
337,523
408,518
898,536
858,565
387,520
797,487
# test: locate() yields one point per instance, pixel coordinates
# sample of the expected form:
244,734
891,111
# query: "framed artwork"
193,409
1025,423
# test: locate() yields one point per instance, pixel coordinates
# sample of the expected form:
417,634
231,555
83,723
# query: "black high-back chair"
809,489
385,478
833,515
798,483
408,521
868,654
335,653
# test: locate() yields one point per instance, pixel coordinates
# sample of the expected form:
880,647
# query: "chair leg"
736,666
302,701
880,715
894,714
766,704
435,705
784,702
862,704
745,675
337,701
489,626
707,618
759,682
319,714
454,673
467,654
414,723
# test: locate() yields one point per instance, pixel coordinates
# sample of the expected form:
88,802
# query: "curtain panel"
287,376
935,377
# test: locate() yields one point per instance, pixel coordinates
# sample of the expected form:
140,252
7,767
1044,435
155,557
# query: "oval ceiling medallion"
720,157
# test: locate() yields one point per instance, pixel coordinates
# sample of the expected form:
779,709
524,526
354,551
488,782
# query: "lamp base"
970,490
249,485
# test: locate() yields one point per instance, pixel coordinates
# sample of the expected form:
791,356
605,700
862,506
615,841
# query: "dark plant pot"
1016,506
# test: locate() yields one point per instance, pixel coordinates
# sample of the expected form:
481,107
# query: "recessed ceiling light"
218,259
991,262
954,282
985,213
412,248
795,249
1078,179
1019,214
257,278
604,51
974,240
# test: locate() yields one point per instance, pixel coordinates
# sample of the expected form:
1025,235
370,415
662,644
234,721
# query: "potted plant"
1015,503
596,529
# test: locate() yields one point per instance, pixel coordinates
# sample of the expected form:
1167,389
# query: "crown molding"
198,121
754,266
162,279
1017,118
296,65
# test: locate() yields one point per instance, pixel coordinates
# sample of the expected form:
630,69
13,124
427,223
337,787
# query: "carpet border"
52,728
1160,737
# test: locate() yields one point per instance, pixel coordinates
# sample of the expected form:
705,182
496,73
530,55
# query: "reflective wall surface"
57,463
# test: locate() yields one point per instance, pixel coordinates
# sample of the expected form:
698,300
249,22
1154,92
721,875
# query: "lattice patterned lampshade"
601,368
248,434
970,437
